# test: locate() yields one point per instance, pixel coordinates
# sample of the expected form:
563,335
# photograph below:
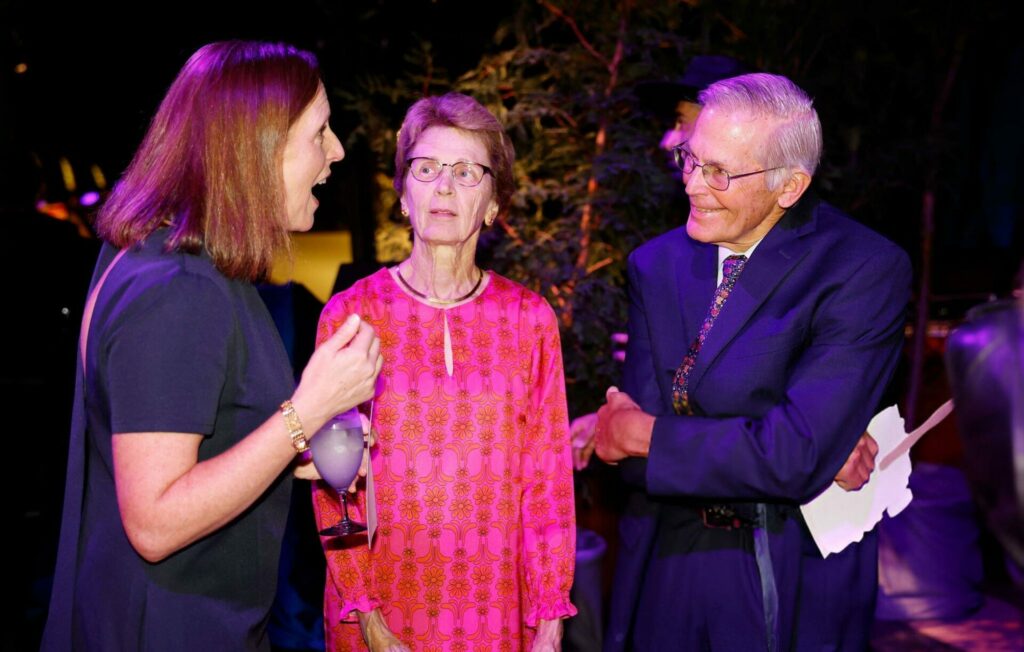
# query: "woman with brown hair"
187,420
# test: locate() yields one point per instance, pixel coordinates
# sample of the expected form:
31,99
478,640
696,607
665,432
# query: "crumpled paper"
836,517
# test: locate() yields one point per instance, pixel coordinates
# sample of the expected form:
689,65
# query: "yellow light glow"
316,256
98,177
68,174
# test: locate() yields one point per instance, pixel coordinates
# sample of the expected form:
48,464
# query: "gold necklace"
443,302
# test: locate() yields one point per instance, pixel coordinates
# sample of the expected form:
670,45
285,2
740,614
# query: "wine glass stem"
344,506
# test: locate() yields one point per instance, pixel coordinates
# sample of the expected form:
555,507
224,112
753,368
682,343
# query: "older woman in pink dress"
475,545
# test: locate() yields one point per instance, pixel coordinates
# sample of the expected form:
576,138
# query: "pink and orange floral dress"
472,473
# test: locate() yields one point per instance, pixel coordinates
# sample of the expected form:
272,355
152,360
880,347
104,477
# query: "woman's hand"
341,373
376,634
549,636
304,468
582,430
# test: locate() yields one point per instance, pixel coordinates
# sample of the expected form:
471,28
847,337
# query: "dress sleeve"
349,580
165,352
548,507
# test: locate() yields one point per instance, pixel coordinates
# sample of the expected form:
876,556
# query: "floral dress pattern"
472,474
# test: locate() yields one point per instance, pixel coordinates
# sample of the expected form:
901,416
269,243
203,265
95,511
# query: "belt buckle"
721,517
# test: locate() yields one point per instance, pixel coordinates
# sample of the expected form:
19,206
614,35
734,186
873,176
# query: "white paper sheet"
371,506
837,518
371,493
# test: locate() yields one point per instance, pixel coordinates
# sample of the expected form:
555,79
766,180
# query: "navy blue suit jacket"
789,377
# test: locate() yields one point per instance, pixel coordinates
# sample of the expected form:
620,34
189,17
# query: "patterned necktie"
731,269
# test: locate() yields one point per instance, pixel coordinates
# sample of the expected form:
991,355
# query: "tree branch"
571,22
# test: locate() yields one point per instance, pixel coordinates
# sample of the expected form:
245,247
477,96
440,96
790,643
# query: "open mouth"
316,188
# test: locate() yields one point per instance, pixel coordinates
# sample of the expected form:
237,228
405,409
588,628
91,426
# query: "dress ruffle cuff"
349,607
551,611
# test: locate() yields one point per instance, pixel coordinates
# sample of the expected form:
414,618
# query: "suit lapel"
780,251
696,276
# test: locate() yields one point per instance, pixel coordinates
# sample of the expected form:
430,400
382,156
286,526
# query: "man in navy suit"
747,384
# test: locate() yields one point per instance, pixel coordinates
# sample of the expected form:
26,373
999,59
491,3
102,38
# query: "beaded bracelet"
295,431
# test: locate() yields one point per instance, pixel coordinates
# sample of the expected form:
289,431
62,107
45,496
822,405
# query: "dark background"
90,89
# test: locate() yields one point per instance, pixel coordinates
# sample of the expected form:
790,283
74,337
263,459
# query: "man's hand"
623,429
859,464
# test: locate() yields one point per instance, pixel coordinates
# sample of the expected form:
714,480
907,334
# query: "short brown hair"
210,164
460,112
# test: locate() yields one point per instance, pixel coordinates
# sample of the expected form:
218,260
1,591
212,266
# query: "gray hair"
795,140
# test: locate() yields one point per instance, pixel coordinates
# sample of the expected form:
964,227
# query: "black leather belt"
726,517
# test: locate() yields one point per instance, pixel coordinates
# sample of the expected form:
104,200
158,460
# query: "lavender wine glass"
337,453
